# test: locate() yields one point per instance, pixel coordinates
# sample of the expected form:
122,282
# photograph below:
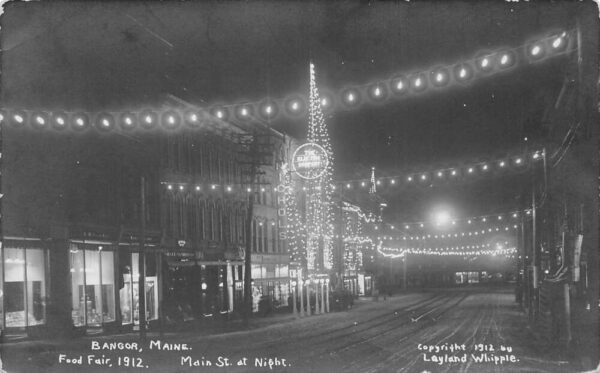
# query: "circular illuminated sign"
310,161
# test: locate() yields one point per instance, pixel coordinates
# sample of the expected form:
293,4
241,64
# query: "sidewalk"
188,329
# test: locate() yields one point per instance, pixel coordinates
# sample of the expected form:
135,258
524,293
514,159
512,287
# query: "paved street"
449,330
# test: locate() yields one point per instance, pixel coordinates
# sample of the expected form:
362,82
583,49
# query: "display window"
93,286
129,293
24,287
282,292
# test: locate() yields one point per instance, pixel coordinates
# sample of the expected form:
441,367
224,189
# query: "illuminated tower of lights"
319,214
295,228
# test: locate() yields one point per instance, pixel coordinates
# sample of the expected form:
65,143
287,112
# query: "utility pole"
252,171
340,261
257,155
142,263
247,257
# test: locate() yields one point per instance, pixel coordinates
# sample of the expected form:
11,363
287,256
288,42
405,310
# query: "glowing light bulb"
148,119
18,118
197,187
423,177
193,117
295,105
169,187
128,121
79,121
40,120
244,112
439,174
377,92
220,114
485,167
269,109
439,77
171,119
418,82
105,122
485,62
60,121
462,73
557,42
536,50
181,187
470,170
504,59
399,85
518,161
410,178
324,102
502,164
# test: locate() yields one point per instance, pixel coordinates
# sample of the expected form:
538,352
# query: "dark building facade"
72,227
71,217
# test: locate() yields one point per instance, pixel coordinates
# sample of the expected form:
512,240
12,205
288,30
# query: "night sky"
113,56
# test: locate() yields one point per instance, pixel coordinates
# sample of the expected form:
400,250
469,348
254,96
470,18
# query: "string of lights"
368,217
482,252
465,250
473,220
476,233
444,174
295,106
213,187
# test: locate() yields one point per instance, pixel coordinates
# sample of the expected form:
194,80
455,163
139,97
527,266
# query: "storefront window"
473,277
282,270
93,284
24,287
77,286
14,287
126,292
258,271
129,294
93,292
108,286
36,287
